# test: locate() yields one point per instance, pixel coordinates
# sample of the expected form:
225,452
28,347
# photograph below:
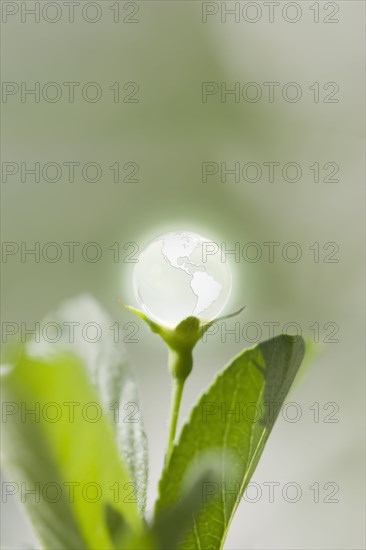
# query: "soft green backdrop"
169,133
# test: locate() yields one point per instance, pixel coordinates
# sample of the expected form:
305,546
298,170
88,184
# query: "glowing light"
180,274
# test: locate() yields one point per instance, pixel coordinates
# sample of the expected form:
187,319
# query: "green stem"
178,386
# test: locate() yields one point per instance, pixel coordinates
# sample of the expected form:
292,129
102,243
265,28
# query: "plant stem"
178,386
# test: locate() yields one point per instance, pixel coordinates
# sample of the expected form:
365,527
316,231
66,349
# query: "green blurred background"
169,133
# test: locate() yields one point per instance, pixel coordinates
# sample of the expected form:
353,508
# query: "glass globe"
181,274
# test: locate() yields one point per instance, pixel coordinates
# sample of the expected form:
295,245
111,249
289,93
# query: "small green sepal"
180,340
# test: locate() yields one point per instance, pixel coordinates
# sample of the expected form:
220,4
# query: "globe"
181,274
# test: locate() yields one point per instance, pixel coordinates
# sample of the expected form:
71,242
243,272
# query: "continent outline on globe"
209,279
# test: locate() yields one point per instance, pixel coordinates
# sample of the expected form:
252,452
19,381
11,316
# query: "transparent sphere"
181,274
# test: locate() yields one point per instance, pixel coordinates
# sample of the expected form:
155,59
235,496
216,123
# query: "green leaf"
108,370
234,418
166,532
116,525
66,451
173,523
